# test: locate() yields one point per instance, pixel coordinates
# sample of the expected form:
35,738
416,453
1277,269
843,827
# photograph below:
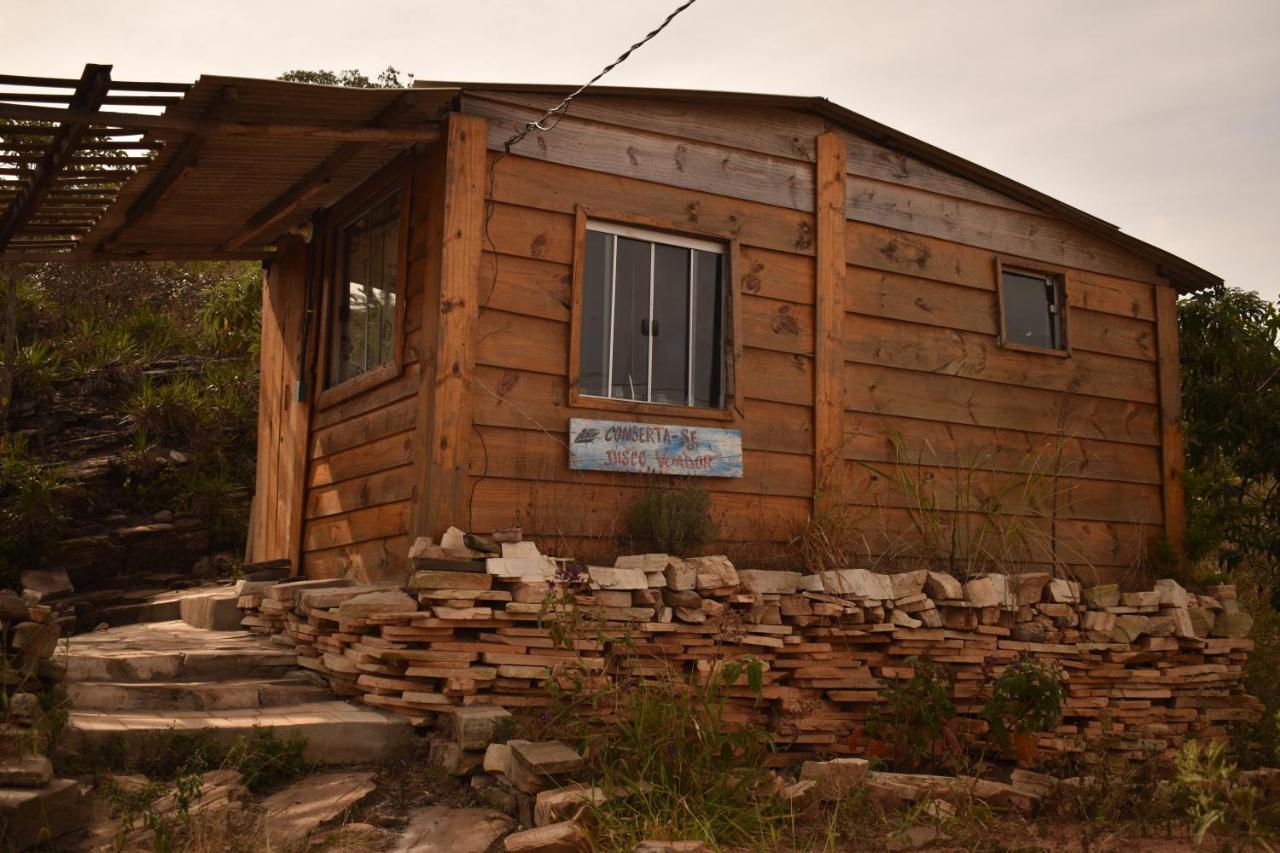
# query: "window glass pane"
366,298
597,310
1027,315
670,328
630,320
708,330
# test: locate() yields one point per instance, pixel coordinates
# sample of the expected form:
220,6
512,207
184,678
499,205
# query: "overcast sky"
1162,116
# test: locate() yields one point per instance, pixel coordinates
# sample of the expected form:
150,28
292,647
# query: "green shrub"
230,315
31,516
673,520
916,719
1208,788
1026,697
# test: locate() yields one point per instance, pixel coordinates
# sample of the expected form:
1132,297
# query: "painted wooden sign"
654,448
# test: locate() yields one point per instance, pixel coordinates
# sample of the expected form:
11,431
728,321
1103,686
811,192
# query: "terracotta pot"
877,748
1025,747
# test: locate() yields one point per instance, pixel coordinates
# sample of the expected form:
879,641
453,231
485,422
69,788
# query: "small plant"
831,536
31,515
914,723
1210,791
673,520
1025,699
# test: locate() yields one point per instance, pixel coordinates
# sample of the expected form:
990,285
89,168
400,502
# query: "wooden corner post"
1172,462
450,311
829,321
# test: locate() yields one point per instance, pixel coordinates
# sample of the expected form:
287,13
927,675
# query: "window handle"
655,328
647,329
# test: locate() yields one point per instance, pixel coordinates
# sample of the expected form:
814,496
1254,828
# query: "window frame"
681,234
394,177
1061,278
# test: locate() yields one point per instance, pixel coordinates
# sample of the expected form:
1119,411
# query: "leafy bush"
230,314
30,508
1026,697
673,521
916,719
1209,789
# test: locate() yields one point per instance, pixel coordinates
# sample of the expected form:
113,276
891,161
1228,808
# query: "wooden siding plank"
360,461
683,162
363,562
360,525
778,275
367,427
394,484
888,439
525,285
930,349
956,399
540,186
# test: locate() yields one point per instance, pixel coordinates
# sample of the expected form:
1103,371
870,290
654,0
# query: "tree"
1231,407
352,78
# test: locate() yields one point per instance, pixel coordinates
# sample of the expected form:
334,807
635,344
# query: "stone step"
194,695
336,732
171,651
214,610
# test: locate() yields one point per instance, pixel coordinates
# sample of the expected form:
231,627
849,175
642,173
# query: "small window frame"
1061,279
680,233
396,177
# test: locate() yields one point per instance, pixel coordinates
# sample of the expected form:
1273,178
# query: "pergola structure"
220,173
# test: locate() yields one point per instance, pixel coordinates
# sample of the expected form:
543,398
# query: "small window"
366,291
1031,305
653,318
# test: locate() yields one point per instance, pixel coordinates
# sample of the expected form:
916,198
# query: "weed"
1207,787
915,720
831,536
673,520
1026,697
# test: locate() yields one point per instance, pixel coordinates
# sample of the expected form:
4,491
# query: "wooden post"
10,343
829,320
444,386
1170,385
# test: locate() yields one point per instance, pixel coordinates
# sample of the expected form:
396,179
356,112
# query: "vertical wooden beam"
1170,385
829,319
445,381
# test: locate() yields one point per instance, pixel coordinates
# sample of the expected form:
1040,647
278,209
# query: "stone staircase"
136,682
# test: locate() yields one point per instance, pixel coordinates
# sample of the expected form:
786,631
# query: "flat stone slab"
289,689
31,816
336,732
440,829
166,651
212,611
300,809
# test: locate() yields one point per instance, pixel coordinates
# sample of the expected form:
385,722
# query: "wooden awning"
229,165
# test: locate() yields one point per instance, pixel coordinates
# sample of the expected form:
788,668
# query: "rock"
981,592
943,587
560,804
453,538
781,583
690,615
647,563
1160,626
1106,595
497,759
1140,599
211,611
440,829
915,838
1201,621
439,579
1029,632
1061,591
858,583
1171,593
1029,588
1101,621
682,598
536,766
657,846
373,603
904,620
908,583
564,837
1182,625
36,640
1234,625
835,778
298,810
680,575
50,583
34,815
520,550
713,572
24,708
1129,627
12,607
474,727
522,568
617,579
28,771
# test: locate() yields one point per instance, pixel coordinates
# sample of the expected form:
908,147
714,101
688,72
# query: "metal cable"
560,108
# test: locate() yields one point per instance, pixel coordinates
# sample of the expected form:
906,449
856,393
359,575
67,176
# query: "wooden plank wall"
360,480
933,406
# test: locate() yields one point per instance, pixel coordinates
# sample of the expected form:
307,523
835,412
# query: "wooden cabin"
844,334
